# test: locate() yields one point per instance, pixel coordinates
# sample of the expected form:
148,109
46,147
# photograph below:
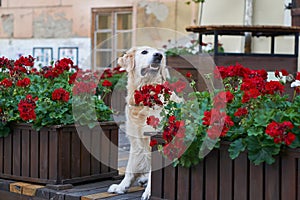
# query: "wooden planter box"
219,177
56,155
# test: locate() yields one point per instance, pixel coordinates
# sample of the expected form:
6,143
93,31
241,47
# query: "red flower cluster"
241,112
60,94
26,108
174,135
23,82
254,82
283,72
150,95
280,132
177,86
108,73
62,65
25,61
174,128
219,123
106,83
6,83
222,98
82,88
152,121
5,62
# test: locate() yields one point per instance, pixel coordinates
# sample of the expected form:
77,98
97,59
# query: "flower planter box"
219,177
56,155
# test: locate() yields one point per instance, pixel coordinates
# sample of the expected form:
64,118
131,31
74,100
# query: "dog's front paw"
115,188
146,195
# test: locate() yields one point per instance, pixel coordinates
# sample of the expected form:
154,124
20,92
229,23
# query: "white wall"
12,49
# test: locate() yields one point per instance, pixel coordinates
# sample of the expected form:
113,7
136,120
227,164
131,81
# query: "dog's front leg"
126,182
146,195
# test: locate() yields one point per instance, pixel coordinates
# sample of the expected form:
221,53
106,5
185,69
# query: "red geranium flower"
23,83
280,132
60,94
26,108
6,82
152,121
106,83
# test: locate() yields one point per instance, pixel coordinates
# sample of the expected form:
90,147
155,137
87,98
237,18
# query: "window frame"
113,30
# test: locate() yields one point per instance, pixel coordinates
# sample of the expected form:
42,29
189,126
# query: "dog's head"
145,65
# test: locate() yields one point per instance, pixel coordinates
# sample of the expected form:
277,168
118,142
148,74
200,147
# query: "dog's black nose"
157,57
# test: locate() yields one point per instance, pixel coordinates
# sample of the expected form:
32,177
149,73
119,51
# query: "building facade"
95,32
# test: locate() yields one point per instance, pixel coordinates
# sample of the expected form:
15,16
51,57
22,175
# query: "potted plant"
209,137
44,116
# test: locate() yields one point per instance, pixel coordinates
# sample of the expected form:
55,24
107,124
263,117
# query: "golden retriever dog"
145,65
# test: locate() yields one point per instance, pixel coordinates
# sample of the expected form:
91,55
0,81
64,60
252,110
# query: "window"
112,35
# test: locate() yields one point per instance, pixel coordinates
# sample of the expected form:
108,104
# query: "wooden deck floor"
10,190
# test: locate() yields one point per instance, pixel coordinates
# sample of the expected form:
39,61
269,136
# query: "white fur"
135,61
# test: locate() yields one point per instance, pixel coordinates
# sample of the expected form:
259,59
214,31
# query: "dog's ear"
127,60
164,72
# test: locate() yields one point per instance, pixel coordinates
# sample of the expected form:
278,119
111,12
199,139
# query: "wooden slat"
34,154
183,185
75,156
169,183
95,143
114,138
1,155
211,175
157,175
8,154
226,176
272,181
25,153
16,152
241,177
44,153
256,187
288,177
85,154
53,155
104,149
64,154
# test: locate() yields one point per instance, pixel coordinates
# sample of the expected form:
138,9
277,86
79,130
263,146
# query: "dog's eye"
144,52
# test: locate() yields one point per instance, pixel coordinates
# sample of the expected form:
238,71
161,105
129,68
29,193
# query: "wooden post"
248,21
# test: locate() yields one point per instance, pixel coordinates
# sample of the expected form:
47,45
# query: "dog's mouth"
152,68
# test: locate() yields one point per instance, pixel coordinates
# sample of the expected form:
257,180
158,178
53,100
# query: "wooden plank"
104,151
106,194
30,190
25,153
241,177
95,142
64,154
256,180
44,153
169,181
114,138
157,175
16,152
272,180
75,155
1,155
17,187
211,175
183,180
85,154
53,155
8,154
288,177
34,154
226,175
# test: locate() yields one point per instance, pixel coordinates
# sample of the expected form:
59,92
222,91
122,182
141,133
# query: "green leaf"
262,151
236,148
